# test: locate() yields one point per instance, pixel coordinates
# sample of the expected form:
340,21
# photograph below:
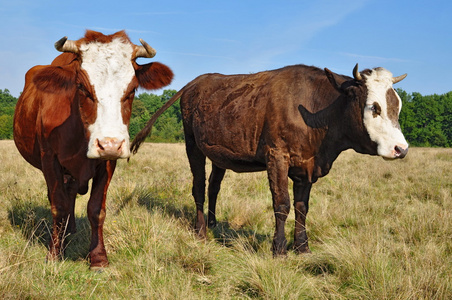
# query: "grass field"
377,229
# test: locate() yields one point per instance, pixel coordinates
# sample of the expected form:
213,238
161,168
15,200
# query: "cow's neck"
331,121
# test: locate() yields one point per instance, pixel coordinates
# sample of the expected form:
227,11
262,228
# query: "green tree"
426,120
167,128
7,105
138,109
447,118
407,118
6,127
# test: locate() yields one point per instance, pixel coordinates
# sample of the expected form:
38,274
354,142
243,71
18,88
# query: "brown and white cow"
292,122
72,119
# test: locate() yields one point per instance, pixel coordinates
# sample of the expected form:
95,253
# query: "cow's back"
234,117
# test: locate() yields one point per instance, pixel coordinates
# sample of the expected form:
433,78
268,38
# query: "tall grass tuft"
377,229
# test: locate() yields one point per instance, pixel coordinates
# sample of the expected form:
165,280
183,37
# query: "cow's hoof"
98,261
212,223
279,247
98,268
302,249
201,232
53,256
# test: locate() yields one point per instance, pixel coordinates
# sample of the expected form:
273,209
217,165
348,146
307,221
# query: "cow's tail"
141,136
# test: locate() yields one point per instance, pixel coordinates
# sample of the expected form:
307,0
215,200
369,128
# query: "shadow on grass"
249,239
157,200
223,233
35,224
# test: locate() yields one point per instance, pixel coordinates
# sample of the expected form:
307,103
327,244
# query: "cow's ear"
153,76
56,79
335,80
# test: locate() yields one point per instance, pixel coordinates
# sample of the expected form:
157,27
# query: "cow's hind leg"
197,162
215,179
301,190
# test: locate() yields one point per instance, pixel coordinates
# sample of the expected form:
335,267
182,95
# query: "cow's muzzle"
110,148
400,152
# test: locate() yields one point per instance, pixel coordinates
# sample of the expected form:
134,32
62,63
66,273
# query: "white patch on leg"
381,128
110,72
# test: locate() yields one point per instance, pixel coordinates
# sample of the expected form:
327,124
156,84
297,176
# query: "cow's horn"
356,73
65,45
145,50
398,78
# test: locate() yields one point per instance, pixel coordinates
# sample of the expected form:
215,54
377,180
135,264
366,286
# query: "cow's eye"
81,88
85,92
375,108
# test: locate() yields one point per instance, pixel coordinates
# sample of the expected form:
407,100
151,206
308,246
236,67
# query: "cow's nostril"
120,145
400,152
99,145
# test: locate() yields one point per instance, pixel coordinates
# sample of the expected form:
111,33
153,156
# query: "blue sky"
240,36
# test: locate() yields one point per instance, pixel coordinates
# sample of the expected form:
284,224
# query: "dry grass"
378,230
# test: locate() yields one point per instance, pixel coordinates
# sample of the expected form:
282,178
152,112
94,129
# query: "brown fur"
292,122
50,131
393,105
254,122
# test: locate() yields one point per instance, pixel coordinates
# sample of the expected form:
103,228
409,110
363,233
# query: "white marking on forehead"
381,129
378,83
110,72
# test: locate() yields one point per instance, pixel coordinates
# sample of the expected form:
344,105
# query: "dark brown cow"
292,122
71,122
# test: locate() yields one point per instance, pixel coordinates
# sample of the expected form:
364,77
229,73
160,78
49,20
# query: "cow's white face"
110,72
381,114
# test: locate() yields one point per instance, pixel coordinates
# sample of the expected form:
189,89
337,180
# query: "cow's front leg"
277,170
96,213
301,190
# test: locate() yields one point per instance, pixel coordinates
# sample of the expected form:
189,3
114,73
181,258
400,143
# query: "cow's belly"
230,145
25,137
232,159
29,149
227,137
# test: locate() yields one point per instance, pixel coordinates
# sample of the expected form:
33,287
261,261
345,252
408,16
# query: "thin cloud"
161,13
199,55
226,40
103,29
374,58
298,32
164,13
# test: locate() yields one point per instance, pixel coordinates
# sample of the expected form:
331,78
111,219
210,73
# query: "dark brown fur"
393,105
50,131
292,122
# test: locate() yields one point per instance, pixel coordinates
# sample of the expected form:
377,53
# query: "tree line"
167,128
7,105
426,121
